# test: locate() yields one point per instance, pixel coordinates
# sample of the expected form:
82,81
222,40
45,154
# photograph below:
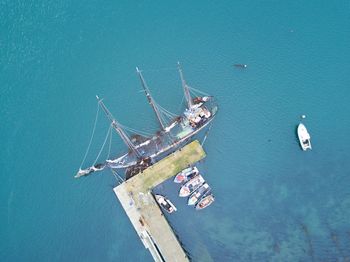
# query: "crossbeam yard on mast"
118,129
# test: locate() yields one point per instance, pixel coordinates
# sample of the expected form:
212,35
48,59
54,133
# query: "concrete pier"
142,209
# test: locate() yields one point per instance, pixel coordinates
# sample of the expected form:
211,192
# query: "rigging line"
131,129
149,131
161,115
103,145
206,134
110,144
158,107
144,133
92,135
199,91
168,112
165,110
164,115
161,108
196,94
164,119
169,117
159,69
116,175
116,178
181,104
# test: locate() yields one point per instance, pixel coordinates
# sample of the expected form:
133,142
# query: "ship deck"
142,209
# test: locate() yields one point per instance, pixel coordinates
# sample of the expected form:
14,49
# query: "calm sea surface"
273,201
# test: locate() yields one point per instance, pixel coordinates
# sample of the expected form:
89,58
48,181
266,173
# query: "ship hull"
128,160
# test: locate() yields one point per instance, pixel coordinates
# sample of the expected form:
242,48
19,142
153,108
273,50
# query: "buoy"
303,116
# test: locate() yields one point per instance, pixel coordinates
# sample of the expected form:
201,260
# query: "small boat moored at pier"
165,204
185,174
196,195
205,201
304,137
191,186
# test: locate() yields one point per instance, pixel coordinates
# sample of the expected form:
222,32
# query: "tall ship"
143,151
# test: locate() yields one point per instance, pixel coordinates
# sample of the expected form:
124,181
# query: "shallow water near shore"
274,202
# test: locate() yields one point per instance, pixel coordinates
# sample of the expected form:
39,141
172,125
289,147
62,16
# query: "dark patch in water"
276,248
335,239
305,230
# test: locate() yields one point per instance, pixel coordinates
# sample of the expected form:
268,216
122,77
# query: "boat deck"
143,211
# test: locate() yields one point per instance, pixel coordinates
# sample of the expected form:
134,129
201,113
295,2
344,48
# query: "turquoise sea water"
273,201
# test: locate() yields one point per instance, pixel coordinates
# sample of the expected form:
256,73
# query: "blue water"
273,201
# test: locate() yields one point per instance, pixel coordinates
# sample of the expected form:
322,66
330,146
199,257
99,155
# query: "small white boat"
165,204
191,186
196,195
205,201
304,137
185,174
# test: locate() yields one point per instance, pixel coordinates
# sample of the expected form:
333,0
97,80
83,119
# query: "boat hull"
165,204
198,194
304,137
182,136
191,186
205,202
185,174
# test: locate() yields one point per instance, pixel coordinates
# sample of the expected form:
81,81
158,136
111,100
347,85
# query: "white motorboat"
186,174
191,186
198,194
304,137
165,204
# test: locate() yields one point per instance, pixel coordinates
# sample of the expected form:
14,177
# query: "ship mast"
150,99
118,129
185,87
